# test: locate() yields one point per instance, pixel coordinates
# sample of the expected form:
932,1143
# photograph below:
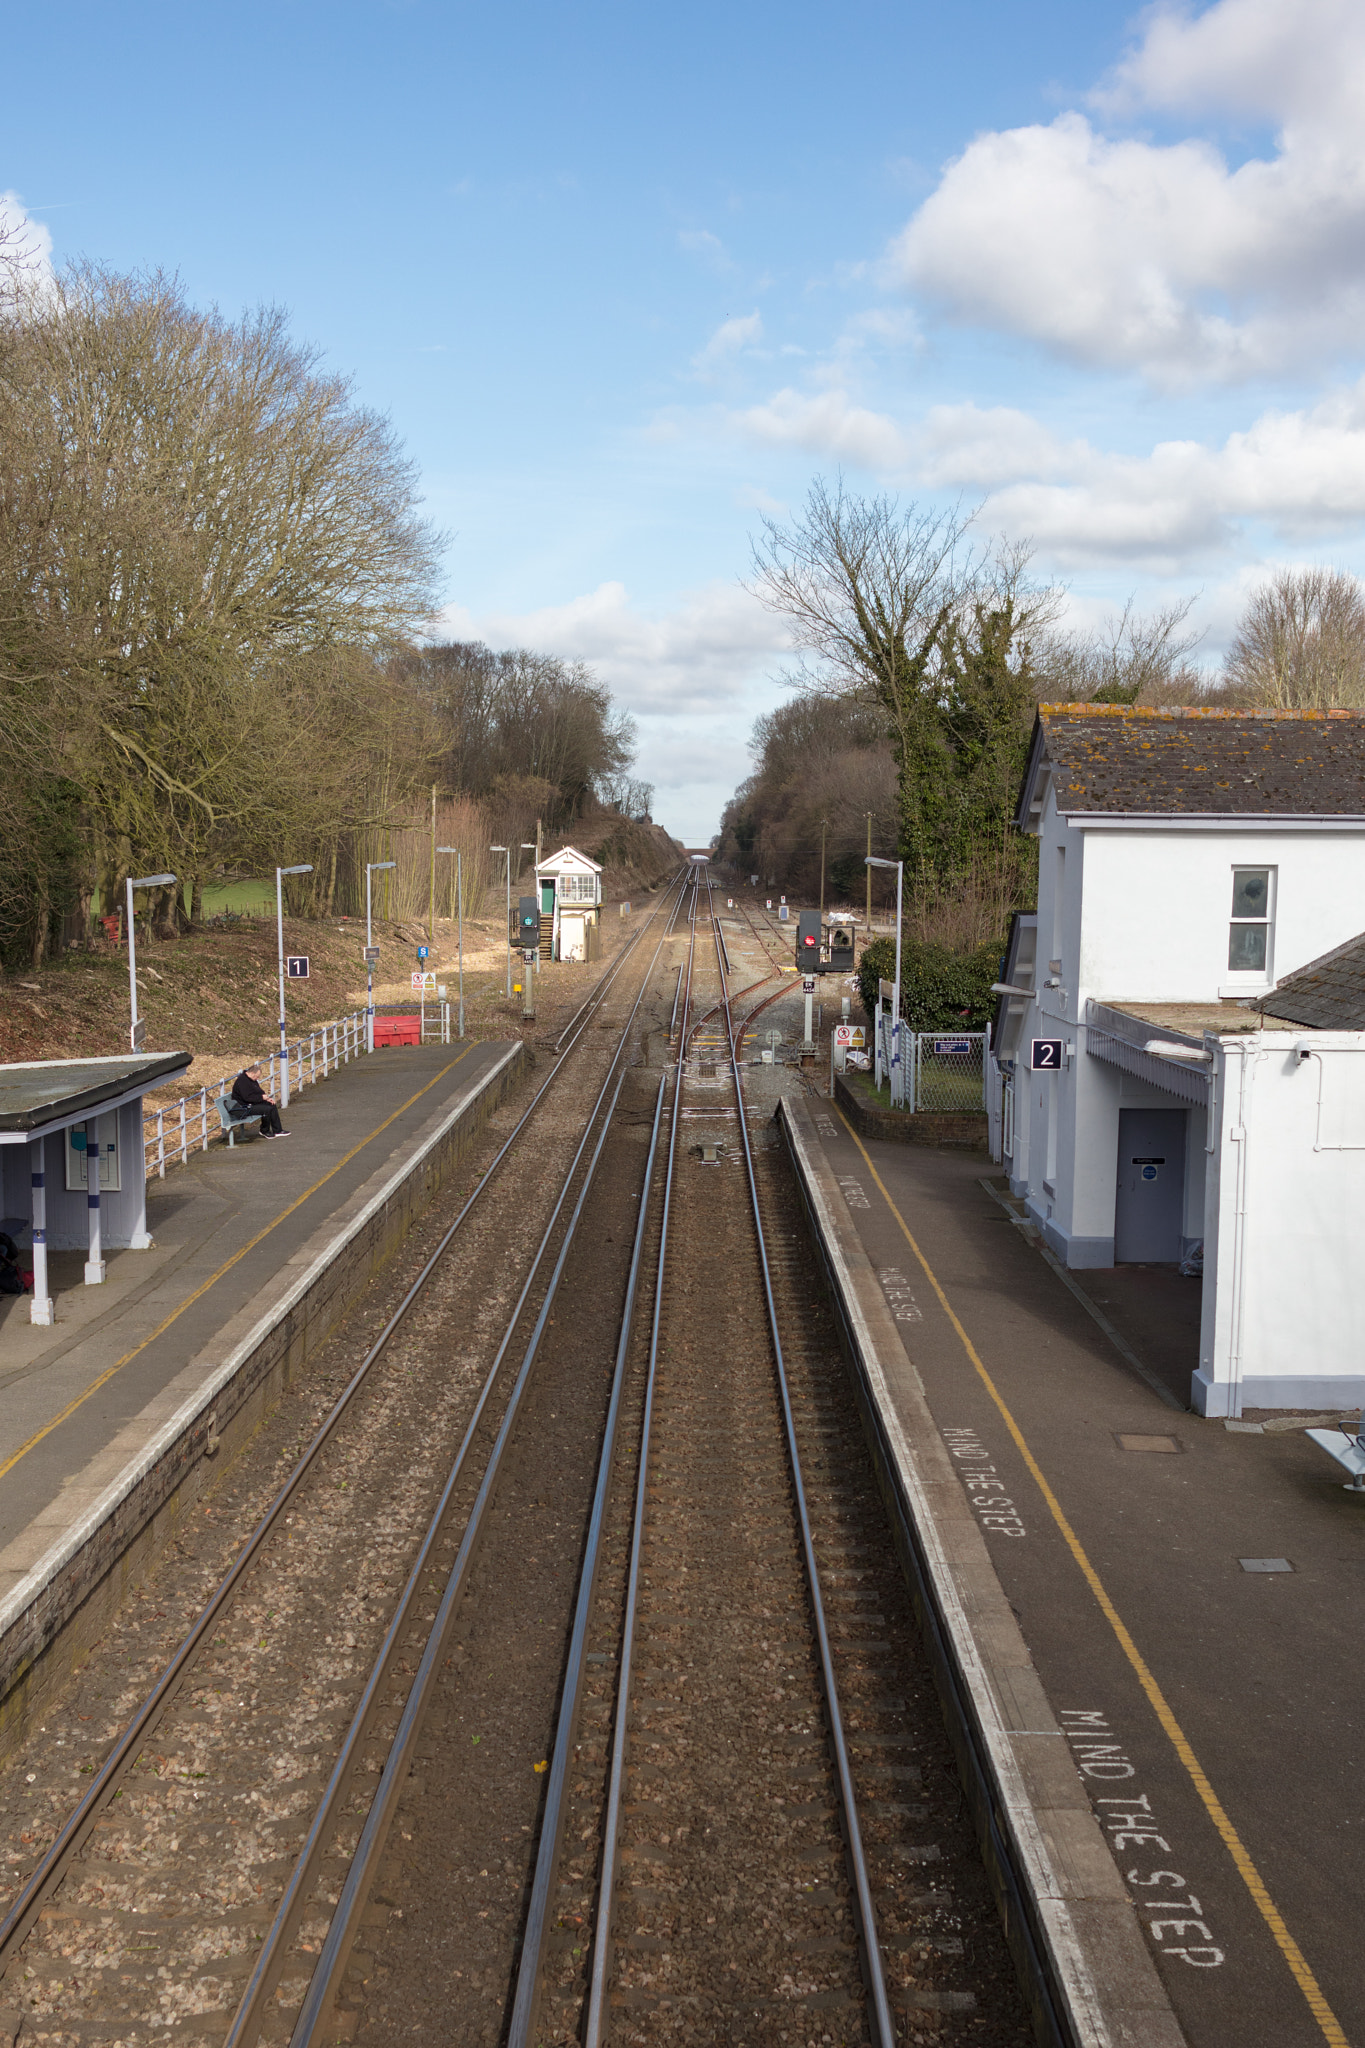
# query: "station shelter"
570,890
72,1163
1160,1093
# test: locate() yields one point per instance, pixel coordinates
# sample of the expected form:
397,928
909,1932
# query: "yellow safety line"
214,1278
1251,1877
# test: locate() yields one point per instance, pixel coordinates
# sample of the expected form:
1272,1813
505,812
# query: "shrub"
940,990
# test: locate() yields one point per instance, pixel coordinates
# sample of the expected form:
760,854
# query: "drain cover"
1265,1564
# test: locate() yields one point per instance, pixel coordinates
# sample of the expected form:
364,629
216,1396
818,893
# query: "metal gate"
949,1070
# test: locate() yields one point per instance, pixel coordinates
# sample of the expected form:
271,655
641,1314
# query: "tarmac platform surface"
223,1226
1213,1711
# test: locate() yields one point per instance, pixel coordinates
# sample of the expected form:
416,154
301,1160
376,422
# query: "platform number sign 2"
297,965
1047,1055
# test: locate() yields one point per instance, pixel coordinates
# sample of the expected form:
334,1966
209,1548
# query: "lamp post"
897,1079
139,1029
459,914
529,846
370,868
280,873
508,851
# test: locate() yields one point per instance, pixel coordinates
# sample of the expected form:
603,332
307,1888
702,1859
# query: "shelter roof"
1326,995
567,857
42,1095
1195,762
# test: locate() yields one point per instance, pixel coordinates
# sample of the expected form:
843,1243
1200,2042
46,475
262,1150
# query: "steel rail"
884,2031
526,1997
608,975
271,1957
600,1978
19,1919
531,1959
336,1947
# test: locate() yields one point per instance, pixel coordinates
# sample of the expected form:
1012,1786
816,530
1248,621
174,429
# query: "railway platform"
256,1249
1186,1591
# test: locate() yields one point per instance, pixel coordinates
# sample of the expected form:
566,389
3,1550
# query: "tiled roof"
1328,994
1199,762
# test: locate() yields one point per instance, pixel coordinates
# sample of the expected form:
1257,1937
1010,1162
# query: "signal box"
808,942
841,949
528,921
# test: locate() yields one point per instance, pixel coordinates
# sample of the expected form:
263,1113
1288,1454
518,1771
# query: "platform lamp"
139,1024
508,851
371,867
280,873
875,861
459,914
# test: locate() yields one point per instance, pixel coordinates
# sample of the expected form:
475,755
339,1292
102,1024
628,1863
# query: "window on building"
577,889
1252,916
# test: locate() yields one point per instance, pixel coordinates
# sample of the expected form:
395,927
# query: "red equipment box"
405,1030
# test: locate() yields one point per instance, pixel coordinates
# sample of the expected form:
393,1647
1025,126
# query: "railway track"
615,1725
155,1879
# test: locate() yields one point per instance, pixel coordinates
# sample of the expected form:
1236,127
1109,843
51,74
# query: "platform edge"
94,1550
1086,1970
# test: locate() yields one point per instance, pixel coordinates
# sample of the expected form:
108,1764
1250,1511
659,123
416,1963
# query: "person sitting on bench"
251,1100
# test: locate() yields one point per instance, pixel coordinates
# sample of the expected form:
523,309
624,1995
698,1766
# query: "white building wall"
1158,904
1141,914
1284,1312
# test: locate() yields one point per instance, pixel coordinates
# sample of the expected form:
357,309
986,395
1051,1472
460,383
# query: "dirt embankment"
215,992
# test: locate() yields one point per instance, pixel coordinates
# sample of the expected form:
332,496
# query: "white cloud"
1300,473
698,657
701,242
826,423
1130,253
729,338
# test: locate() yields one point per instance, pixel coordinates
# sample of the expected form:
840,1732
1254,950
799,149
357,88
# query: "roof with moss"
1196,761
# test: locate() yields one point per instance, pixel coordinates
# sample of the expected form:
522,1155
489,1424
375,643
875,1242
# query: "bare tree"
1134,658
1300,643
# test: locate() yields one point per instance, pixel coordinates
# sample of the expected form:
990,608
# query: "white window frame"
1239,980
578,889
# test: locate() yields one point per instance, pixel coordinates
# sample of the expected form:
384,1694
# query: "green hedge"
940,991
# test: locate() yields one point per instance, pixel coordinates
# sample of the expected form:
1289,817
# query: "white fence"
172,1132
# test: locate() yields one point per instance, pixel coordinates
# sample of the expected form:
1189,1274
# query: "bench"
232,1124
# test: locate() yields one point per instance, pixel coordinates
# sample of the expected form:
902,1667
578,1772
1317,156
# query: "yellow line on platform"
213,1279
1303,1976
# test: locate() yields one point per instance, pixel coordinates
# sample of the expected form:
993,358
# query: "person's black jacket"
246,1091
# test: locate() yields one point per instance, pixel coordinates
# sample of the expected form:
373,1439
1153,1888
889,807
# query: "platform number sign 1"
297,966
1047,1055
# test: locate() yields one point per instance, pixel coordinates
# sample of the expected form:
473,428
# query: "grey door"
1150,1208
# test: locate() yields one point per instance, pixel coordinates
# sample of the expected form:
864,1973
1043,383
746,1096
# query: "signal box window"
577,889
1252,915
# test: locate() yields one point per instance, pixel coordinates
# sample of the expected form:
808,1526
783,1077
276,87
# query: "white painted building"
1188,862
570,889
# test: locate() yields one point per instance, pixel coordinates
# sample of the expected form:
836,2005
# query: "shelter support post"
94,1264
140,1239
40,1308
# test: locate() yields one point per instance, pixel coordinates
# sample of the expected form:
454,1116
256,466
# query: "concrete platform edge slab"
1087,1973
160,1449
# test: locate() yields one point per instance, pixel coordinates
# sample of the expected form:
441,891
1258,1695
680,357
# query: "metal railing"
175,1129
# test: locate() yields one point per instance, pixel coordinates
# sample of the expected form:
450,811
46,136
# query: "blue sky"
625,279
